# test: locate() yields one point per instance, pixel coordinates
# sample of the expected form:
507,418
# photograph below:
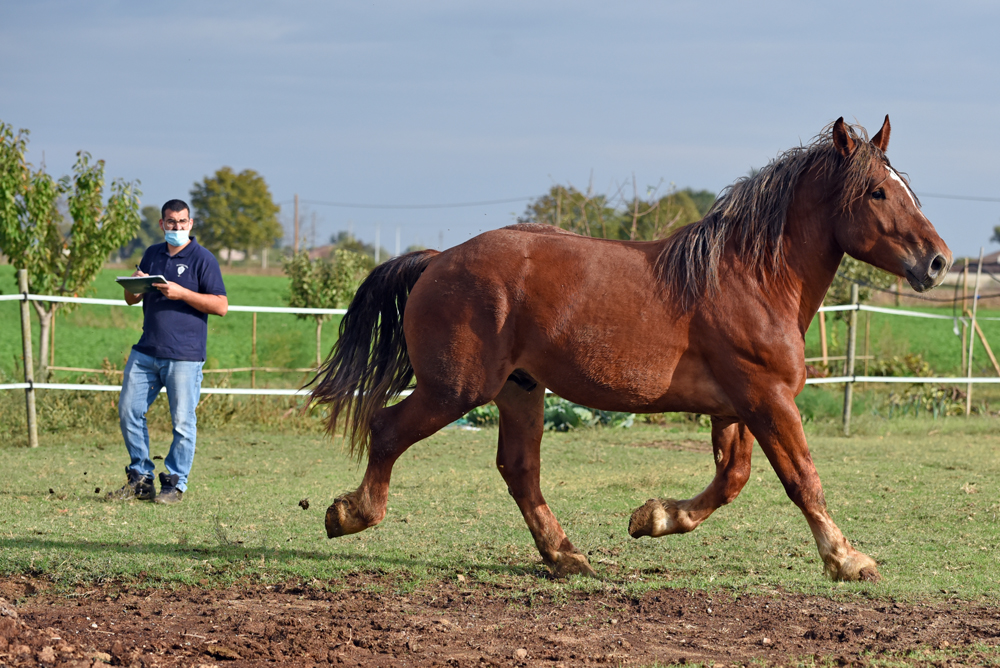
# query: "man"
169,354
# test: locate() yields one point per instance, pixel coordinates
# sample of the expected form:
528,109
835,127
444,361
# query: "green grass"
894,335
87,335
921,497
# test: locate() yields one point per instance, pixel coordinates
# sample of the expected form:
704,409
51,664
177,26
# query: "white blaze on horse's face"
898,179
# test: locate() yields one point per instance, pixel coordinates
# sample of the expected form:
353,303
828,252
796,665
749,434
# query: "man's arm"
131,299
210,304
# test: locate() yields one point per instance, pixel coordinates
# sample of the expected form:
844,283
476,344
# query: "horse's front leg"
778,427
732,444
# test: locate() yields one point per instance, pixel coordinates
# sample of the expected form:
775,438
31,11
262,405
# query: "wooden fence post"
852,338
822,338
253,353
972,334
29,373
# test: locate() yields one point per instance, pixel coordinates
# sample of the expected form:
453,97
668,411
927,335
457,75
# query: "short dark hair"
174,205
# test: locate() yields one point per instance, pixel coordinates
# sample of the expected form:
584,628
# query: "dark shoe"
138,487
168,489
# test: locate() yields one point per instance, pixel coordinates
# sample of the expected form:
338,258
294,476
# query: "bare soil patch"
468,624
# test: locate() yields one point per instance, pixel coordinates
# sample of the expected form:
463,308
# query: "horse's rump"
368,365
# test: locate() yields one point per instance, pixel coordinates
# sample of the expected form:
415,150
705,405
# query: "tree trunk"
44,328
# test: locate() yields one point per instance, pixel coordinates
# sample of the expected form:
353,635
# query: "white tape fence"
848,380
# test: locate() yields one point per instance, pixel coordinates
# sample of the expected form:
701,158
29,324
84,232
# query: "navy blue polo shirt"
172,329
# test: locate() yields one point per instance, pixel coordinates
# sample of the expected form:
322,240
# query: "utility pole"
397,241
295,244
378,241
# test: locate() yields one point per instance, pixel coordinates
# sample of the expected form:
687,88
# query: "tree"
868,278
59,263
568,208
995,239
149,233
616,217
235,211
347,241
325,283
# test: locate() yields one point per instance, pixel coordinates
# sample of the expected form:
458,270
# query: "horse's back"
577,313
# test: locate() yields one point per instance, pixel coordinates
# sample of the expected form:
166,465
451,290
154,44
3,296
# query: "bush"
560,415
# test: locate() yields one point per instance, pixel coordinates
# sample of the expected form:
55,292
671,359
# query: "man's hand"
210,304
131,299
172,290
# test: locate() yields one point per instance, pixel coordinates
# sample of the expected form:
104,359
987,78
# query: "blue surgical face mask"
176,237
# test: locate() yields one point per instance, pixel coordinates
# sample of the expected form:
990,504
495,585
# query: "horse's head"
883,225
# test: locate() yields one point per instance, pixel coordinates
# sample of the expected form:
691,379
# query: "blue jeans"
144,376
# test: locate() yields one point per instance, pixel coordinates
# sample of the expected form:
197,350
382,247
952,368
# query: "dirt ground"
467,624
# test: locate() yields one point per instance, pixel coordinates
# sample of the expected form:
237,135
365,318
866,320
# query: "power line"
969,198
455,205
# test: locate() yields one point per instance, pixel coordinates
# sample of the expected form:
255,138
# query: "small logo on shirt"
181,268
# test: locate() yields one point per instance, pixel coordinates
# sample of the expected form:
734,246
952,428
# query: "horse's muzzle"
929,274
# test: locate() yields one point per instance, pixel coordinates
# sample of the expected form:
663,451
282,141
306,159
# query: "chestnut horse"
710,320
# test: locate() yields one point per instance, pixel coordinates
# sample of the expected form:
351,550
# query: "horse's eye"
878,194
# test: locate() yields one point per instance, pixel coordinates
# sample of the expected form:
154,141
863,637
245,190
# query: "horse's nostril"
938,263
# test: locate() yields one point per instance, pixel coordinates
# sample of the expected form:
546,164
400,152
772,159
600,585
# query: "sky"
406,107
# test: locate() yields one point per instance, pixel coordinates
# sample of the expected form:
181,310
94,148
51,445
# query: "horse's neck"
812,254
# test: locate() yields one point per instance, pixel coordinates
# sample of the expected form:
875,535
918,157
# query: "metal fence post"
852,338
29,364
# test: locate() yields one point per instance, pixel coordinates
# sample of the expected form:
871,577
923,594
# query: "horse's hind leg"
732,444
522,419
394,429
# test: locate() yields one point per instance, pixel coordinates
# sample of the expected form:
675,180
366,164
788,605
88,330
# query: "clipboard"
138,285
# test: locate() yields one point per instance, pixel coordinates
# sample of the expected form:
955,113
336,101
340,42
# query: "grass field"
920,496
88,334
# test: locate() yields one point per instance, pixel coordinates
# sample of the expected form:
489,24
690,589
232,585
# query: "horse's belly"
666,382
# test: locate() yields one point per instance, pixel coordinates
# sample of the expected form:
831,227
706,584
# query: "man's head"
176,222
176,214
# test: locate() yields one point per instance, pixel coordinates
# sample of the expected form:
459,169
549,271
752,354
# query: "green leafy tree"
648,220
149,233
568,208
235,211
703,199
995,239
616,217
346,241
325,283
59,262
869,280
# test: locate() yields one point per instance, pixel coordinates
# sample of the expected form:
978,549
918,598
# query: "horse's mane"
752,212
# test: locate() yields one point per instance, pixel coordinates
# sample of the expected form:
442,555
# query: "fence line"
121,302
847,380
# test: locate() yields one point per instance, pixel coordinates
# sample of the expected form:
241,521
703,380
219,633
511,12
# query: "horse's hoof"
572,563
856,568
342,518
650,519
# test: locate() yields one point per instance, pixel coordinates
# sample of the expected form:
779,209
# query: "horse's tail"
369,365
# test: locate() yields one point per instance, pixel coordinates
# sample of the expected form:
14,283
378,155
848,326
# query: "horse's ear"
881,138
842,138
